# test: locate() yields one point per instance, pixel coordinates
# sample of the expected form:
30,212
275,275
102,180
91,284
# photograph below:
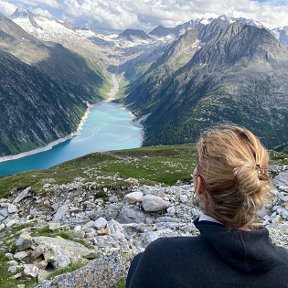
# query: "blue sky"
146,14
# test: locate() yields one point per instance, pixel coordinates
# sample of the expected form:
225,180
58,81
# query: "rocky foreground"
90,235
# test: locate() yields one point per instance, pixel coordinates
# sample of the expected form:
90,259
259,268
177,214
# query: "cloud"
42,12
48,3
105,14
7,8
146,14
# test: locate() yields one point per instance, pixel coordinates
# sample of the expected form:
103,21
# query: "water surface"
108,127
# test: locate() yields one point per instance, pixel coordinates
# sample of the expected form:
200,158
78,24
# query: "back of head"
233,165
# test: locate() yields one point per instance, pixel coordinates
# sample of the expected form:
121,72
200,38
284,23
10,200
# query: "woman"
232,183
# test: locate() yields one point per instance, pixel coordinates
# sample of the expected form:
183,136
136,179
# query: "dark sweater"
215,258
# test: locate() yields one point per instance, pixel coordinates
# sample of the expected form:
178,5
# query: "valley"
97,136
180,77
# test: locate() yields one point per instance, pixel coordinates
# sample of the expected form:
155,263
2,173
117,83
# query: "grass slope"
150,165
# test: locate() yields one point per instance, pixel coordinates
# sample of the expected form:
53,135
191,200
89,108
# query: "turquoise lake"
108,127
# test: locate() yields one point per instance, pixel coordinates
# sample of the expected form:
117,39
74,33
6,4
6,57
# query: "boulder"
153,203
171,210
3,213
11,208
12,269
100,223
183,198
104,272
112,211
59,252
24,241
281,179
16,276
20,255
2,226
60,214
30,270
133,197
24,194
130,215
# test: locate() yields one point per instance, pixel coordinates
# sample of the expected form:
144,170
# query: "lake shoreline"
53,143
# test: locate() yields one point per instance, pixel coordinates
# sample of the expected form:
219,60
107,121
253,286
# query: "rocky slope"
44,90
89,230
84,227
236,73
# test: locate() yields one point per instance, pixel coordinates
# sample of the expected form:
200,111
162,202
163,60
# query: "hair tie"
261,173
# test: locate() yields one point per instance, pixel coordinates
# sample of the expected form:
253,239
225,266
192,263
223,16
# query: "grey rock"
12,263
284,198
166,219
183,198
113,199
133,197
12,269
60,252
60,214
130,215
171,210
77,228
24,194
103,272
153,203
31,270
281,179
11,208
20,255
24,241
2,226
9,256
100,223
263,212
16,276
112,211
3,213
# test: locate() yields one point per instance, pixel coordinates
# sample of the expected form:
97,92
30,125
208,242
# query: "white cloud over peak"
50,3
43,12
121,14
6,7
146,14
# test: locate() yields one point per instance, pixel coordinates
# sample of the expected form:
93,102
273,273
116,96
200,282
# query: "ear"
199,188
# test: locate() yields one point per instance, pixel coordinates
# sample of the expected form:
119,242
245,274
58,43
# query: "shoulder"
174,244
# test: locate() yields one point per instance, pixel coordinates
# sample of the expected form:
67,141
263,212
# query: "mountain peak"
226,19
132,34
26,15
21,13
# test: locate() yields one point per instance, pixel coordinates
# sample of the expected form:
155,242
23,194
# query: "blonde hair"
233,165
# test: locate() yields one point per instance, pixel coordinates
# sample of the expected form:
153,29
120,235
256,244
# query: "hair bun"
247,177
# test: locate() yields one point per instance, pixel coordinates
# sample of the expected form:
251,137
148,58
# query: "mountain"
177,55
249,22
281,34
59,31
132,34
44,90
162,32
238,75
21,13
